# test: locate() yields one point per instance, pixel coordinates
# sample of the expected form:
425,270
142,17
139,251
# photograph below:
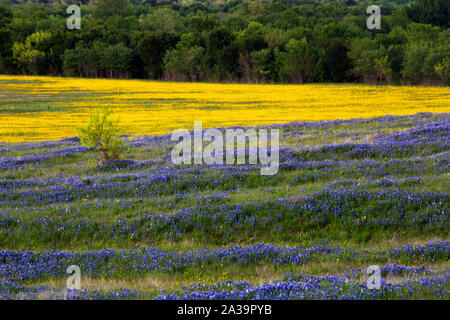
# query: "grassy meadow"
363,180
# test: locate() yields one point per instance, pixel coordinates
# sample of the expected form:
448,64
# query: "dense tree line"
229,40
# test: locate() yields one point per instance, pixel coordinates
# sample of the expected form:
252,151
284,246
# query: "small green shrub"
101,133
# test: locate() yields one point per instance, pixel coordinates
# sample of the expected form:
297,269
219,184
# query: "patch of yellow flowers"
156,107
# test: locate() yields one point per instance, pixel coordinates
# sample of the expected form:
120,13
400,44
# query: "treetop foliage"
229,40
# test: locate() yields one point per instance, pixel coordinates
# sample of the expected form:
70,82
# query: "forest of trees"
287,41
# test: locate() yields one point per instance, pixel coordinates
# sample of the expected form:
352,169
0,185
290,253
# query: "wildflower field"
363,180
46,108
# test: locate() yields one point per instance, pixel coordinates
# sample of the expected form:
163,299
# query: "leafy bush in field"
101,134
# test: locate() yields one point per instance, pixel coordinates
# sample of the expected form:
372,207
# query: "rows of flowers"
169,181
301,287
392,209
22,266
